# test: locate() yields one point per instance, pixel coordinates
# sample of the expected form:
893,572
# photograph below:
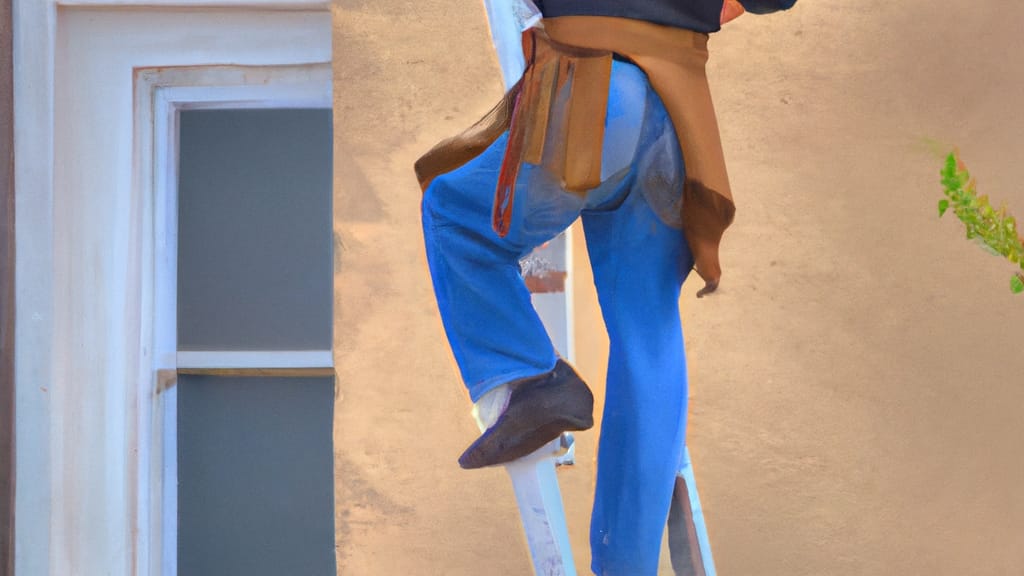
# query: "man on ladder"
612,104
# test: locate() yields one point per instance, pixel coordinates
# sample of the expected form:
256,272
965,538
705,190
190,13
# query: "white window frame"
160,95
100,507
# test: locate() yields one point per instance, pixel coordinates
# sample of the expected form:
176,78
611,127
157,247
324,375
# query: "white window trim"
214,359
170,91
49,493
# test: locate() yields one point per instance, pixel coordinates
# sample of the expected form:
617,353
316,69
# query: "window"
254,323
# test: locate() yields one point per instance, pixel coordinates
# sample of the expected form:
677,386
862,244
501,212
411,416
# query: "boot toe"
539,410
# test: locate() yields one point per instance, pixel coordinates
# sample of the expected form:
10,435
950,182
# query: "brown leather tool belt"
570,139
555,116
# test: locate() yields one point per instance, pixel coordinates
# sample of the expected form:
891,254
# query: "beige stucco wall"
404,80
859,384
406,74
856,385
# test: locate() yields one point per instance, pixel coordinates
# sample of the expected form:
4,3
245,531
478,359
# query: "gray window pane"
254,230
255,468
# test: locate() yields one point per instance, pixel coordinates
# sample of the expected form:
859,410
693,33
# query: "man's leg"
639,265
494,331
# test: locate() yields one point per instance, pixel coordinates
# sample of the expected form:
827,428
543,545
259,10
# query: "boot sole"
490,451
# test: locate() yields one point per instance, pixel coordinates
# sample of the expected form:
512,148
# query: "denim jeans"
639,259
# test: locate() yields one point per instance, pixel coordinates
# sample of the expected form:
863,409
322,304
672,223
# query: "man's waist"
627,37
699,16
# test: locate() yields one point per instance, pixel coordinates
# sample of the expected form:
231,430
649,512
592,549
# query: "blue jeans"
640,260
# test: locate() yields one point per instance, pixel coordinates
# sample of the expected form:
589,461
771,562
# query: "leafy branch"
995,230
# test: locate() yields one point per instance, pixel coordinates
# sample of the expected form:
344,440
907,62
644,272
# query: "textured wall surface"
405,75
855,384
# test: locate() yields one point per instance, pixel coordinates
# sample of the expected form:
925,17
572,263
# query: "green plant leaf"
993,229
1017,284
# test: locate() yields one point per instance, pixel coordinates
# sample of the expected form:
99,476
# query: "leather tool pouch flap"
558,119
451,153
555,115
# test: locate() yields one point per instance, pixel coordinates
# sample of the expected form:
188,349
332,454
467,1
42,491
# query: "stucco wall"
402,82
405,76
858,385
855,389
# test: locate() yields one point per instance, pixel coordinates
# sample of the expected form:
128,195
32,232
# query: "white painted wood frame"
160,93
255,359
94,203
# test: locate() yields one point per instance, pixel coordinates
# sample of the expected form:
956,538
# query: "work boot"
539,409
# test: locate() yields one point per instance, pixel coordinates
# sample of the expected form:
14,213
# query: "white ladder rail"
540,508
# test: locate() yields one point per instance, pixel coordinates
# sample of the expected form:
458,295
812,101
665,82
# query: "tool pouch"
555,116
557,120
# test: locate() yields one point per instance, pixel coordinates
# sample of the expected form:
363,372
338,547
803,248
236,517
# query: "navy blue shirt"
696,15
